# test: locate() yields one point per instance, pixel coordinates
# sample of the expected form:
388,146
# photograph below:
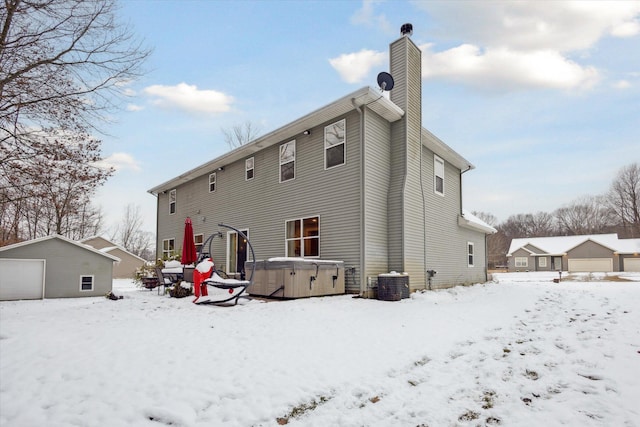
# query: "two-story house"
358,180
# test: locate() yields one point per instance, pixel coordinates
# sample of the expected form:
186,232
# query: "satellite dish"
385,81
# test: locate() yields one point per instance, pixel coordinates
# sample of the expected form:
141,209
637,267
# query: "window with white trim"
303,237
198,240
288,161
438,175
521,261
212,182
334,144
542,261
168,248
470,254
86,283
172,202
248,169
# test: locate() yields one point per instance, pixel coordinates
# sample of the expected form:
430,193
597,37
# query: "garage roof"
57,236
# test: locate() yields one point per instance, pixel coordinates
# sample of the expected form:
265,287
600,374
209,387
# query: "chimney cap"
406,29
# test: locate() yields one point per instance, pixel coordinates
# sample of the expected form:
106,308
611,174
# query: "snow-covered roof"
57,236
469,220
559,245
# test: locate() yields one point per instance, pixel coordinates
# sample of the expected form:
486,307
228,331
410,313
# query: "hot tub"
296,277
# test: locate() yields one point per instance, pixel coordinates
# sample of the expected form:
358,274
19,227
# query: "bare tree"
624,199
240,134
497,243
587,215
64,65
129,233
540,224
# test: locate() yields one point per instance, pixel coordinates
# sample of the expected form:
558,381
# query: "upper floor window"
168,248
470,254
334,144
288,161
438,175
303,237
248,167
212,182
172,201
86,283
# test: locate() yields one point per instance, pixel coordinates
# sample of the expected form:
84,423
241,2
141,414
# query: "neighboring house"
596,252
129,263
358,180
54,267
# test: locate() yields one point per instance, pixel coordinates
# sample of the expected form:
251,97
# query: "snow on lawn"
521,351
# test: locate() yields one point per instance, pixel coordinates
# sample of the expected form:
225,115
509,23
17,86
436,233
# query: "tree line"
64,66
616,211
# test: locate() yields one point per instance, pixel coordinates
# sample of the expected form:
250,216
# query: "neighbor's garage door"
631,264
591,264
21,279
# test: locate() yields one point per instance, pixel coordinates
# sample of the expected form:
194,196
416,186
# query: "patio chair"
163,280
234,287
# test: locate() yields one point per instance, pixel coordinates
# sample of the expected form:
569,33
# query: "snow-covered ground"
520,351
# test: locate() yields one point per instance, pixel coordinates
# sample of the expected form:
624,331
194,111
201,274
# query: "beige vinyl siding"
446,241
413,197
376,191
406,215
262,205
398,156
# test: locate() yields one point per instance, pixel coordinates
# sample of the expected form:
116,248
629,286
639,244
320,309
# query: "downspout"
486,256
158,245
424,219
462,172
363,285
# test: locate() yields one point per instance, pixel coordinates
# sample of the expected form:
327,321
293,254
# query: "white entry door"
21,279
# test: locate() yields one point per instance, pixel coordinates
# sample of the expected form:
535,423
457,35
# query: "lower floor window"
303,237
198,240
470,254
168,248
522,261
86,283
542,261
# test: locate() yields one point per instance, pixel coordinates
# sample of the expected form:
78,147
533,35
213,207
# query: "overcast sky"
542,97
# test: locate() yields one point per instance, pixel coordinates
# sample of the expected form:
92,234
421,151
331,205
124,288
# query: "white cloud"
626,29
119,161
366,16
534,25
134,107
505,68
189,98
354,67
622,84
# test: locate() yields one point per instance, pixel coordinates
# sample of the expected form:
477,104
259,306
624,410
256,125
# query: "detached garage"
54,267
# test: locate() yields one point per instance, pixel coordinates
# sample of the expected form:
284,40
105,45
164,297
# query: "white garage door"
21,279
631,264
591,264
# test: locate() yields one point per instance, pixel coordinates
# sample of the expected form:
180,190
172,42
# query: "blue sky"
542,97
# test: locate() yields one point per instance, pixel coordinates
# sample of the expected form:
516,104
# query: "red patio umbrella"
189,254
